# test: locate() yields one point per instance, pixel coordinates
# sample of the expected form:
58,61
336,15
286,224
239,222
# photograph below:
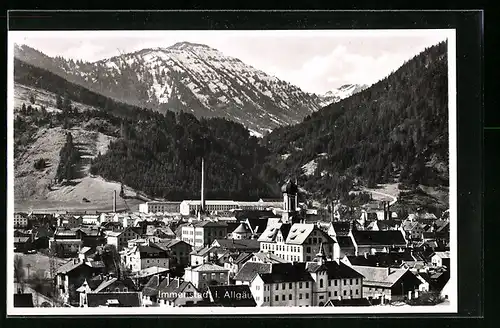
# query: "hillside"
156,145
186,77
394,131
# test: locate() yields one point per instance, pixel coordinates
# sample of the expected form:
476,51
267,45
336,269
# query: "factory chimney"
114,201
202,205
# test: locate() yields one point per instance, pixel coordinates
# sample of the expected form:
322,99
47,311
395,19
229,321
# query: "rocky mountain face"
188,77
343,92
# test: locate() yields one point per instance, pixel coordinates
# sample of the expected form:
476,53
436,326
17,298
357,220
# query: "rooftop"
123,299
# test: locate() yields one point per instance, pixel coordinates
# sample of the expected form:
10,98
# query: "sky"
315,60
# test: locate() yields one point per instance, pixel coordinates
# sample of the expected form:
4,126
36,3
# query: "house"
70,221
249,270
377,241
20,220
92,237
387,284
22,244
282,284
346,245
233,262
441,259
120,238
161,232
170,293
297,243
266,257
231,296
257,224
203,233
72,275
107,285
243,231
205,275
178,250
128,299
66,242
436,279
205,255
333,279
241,245
144,256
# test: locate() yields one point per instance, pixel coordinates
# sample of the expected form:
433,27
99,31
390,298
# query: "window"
357,292
125,289
357,281
321,283
117,289
329,294
329,283
283,286
307,296
276,287
300,296
345,282
350,281
290,285
307,284
315,240
335,293
350,292
300,284
276,298
336,282
308,249
290,297
257,287
257,298
321,297
282,297
345,292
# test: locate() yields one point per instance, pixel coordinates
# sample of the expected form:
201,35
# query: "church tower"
290,201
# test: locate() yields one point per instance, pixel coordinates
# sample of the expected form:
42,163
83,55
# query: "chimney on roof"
389,270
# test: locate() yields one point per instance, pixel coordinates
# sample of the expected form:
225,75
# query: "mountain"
395,131
187,77
345,91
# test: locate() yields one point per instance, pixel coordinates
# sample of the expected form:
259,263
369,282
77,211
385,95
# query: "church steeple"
321,256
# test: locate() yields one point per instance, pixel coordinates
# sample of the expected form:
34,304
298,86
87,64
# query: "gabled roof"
242,296
211,224
107,283
377,276
152,286
204,251
345,242
286,272
381,259
299,233
144,273
380,238
125,299
334,270
70,266
341,228
171,290
240,244
269,235
242,228
243,257
250,269
209,267
267,257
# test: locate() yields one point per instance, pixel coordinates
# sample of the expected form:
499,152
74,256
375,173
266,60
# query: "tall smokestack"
202,185
114,201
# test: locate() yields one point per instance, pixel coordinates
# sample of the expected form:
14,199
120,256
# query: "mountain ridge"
187,77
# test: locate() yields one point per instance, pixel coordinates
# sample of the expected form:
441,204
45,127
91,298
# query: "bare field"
384,192
32,186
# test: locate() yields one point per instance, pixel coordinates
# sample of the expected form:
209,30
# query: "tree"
19,273
32,99
59,102
66,105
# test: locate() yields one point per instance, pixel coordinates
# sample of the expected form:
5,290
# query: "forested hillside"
396,130
157,153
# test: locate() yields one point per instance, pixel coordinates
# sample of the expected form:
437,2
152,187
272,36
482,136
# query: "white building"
161,207
189,207
206,275
20,220
120,238
299,242
142,257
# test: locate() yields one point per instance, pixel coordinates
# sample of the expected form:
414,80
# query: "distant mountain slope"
189,77
396,130
343,92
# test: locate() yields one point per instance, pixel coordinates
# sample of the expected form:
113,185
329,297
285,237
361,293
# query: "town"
225,253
